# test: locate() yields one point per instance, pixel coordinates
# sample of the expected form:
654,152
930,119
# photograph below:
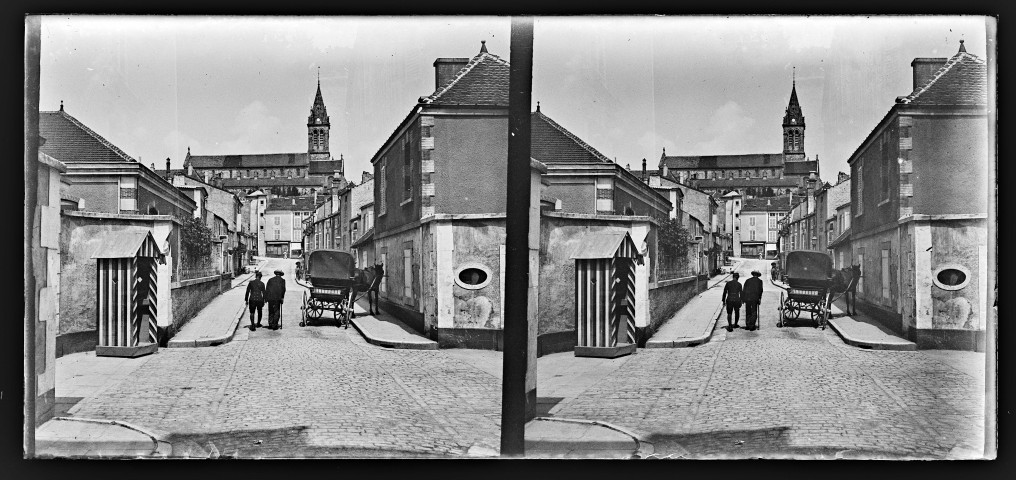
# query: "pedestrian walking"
752,296
255,299
732,300
275,293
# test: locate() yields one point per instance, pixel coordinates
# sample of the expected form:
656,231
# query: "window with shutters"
885,275
407,169
859,201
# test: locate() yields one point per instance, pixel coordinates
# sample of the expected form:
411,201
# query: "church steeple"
793,126
318,127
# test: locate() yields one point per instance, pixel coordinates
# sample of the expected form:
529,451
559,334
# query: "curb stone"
160,448
643,448
907,347
381,342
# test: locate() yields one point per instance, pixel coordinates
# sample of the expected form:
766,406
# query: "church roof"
251,182
483,81
751,160
745,182
69,140
257,160
961,81
552,143
800,168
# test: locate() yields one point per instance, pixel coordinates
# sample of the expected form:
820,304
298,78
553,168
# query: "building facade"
919,200
283,222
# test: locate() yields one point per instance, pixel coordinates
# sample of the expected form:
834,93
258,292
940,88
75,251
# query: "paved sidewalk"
567,438
216,323
865,332
387,331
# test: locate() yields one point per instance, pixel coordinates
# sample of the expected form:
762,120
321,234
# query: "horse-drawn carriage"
809,278
335,285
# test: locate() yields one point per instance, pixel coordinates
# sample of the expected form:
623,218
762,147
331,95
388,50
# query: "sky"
631,86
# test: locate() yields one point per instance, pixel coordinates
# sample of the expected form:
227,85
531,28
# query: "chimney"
924,69
167,168
643,169
445,70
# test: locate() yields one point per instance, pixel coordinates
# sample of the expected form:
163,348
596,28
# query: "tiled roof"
68,140
963,80
483,81
745,182
779,203
259,160
553,143
323,167
800,168
296,204
751,160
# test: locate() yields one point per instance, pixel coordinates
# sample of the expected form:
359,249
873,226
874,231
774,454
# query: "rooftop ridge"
946,68
574,138
479,58
96,136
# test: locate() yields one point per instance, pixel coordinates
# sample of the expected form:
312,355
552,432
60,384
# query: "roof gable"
607,245
483,81
961,81
129,244
69,140
553,143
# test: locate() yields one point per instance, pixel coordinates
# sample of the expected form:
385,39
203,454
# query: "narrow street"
322,391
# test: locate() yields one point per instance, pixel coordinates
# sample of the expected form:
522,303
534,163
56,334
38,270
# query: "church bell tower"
793,128
318,128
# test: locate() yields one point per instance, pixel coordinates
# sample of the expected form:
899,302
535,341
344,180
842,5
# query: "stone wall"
665,299
189,297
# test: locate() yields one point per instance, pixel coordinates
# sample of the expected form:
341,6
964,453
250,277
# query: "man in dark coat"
275,293
752,296
732,300
255,298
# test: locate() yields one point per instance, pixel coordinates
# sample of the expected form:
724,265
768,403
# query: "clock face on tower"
317,120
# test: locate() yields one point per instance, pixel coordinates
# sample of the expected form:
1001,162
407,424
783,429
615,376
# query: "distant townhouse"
758,221
919,200
827,199
283,222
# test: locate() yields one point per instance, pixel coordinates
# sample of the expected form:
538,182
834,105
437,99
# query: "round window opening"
473,277
952,277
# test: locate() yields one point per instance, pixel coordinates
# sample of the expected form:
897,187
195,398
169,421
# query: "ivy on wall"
195,239
673,239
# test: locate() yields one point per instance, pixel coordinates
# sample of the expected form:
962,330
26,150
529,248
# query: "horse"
369,280
844,281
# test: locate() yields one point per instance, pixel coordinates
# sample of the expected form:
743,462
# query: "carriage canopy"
809,266
330,267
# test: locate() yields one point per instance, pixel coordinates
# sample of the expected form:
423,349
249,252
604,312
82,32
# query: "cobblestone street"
322,391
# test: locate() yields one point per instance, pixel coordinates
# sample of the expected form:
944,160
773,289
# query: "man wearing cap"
752,295
255,299
732,300
275,292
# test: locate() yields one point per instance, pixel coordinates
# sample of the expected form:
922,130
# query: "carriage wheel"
303,311
795,309
349,310
315,308
816,314
339,313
